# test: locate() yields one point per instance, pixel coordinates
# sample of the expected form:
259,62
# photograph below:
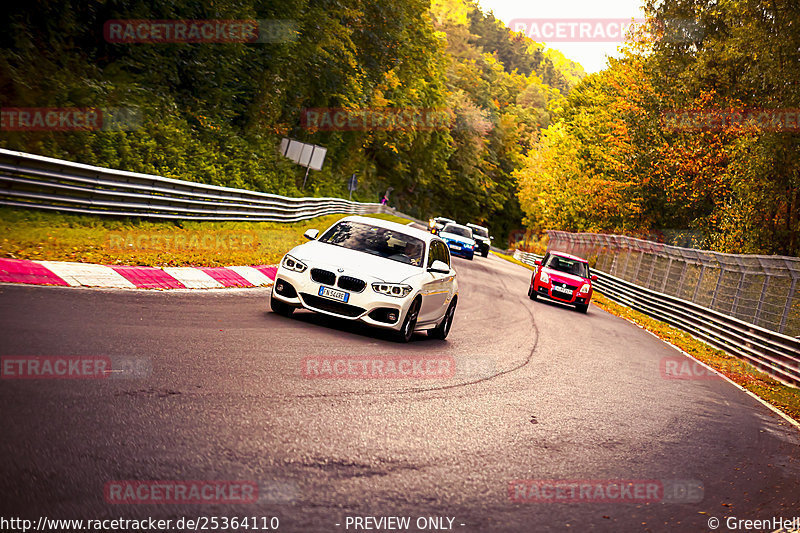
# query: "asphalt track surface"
541,392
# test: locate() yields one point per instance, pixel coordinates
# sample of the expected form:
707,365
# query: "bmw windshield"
455,229
374,240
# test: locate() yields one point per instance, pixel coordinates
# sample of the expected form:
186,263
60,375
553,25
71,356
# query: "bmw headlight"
292,263
543,277
398,290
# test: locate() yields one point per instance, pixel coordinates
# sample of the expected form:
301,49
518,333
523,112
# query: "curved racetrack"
540,392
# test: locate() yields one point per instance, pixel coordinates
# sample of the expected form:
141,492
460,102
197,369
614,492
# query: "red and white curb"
67,274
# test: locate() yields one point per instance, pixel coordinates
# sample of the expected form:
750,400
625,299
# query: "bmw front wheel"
279,307
441,331
407,330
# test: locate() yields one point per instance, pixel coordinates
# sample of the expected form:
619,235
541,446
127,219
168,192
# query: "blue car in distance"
459,239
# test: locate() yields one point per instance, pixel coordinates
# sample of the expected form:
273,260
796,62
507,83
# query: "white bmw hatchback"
382,273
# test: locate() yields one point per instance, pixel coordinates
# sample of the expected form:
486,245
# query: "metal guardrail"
32,181
771,352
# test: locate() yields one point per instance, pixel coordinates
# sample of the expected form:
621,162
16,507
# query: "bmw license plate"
333,294
562,290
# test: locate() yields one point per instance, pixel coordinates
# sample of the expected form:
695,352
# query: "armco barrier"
28,180
775,354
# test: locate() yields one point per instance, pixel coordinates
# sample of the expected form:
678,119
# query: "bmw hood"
457,238
368,266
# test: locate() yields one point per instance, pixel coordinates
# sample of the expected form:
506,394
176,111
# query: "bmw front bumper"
298,289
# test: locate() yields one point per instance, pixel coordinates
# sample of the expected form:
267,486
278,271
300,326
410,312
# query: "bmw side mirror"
311,234
594,277
440,267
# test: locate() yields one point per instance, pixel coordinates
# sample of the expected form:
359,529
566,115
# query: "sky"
592,55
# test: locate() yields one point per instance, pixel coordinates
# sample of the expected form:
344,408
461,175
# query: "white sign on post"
310,156
305,155
317,158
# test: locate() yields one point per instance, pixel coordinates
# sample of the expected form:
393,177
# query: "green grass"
42,235
784,397
511,259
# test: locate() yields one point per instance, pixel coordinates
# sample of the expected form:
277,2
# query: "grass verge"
511,259
784,397
43,235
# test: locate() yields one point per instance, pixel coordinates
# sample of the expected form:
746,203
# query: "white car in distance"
381,273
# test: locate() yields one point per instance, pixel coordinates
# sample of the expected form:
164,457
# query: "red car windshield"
569,266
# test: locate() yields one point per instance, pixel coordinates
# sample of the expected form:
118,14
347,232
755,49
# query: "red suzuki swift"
564,278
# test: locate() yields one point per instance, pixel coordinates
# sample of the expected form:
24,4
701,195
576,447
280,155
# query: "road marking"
193,278
254,276
74,274
77,274
148,277
22,271
226,276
